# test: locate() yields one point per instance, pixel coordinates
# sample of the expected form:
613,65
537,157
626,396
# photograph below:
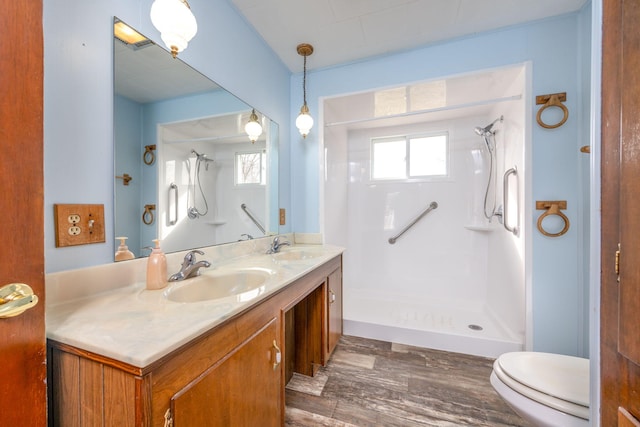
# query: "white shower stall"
455,280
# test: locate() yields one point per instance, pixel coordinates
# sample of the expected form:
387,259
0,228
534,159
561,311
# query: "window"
251,168
409,157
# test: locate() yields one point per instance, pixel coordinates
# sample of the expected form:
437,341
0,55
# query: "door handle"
15,298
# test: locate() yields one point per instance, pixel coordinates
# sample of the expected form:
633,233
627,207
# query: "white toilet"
548,390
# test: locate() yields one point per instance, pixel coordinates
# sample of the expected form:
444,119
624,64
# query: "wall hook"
149,155
552,100
552,207
125,177
148,216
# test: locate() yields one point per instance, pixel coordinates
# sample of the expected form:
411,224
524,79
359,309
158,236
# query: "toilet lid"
563,377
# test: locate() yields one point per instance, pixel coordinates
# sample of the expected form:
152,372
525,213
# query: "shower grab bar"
432,206
250,215
173,187
505,201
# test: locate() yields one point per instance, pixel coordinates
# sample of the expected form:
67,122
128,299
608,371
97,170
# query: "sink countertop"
136,326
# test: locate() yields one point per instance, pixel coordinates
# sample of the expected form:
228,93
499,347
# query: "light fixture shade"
176,23
253,128
304,122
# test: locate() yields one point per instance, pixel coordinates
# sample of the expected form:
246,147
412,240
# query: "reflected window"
251,168
409,157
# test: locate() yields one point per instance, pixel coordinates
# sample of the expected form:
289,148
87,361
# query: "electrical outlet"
78,224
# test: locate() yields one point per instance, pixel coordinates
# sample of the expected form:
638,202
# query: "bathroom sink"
244,285
297,254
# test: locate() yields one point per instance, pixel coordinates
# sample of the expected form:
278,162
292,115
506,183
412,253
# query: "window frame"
263,163
407,139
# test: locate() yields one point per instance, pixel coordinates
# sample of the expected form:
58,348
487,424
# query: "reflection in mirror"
194,178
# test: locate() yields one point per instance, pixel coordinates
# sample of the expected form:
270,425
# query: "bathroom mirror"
185,169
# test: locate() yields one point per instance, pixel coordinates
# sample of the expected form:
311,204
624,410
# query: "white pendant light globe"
253,128
304,122
176,23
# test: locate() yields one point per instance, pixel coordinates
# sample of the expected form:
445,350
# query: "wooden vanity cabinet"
314,324
243,389
334,310
231,375
228,376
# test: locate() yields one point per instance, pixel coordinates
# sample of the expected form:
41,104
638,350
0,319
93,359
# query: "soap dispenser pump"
156,268
123,253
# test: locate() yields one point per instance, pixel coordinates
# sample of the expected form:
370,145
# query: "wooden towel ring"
147,216
149,155
552,100
552,208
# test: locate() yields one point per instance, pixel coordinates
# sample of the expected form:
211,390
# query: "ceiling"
343,31
149,74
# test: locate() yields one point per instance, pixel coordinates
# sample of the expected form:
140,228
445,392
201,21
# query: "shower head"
201,156
486,131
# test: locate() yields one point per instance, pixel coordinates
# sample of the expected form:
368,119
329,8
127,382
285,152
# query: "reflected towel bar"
432,206
250,215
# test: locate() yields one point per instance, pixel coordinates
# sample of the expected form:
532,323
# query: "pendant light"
253,128
176,23
304,122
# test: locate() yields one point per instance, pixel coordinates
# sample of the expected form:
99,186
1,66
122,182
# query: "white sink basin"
297,254
244,285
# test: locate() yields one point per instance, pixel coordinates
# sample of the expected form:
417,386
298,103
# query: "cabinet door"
334,302
243,389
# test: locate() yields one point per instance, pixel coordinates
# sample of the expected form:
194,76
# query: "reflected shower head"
201,156
486,131
481,131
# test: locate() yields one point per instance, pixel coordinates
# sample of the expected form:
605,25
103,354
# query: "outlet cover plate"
78,224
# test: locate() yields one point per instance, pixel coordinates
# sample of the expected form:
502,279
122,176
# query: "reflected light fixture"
253,128
176,23
304,122
126,34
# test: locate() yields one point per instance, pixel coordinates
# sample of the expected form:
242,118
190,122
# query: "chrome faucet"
276,245
190,267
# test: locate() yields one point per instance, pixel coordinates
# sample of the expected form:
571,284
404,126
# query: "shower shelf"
217,222
479,227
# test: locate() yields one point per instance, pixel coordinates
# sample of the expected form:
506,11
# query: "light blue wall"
78,106
552,47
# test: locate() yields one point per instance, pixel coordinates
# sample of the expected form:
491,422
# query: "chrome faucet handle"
190,258
276,244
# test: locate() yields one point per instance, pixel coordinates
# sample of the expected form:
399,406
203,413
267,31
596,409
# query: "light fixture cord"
304,81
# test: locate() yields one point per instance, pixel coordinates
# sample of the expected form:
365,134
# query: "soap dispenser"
156,268
123,253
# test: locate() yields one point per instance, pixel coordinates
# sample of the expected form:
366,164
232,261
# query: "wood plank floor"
376,383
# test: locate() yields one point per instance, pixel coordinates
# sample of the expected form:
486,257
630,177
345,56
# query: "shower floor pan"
469,331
